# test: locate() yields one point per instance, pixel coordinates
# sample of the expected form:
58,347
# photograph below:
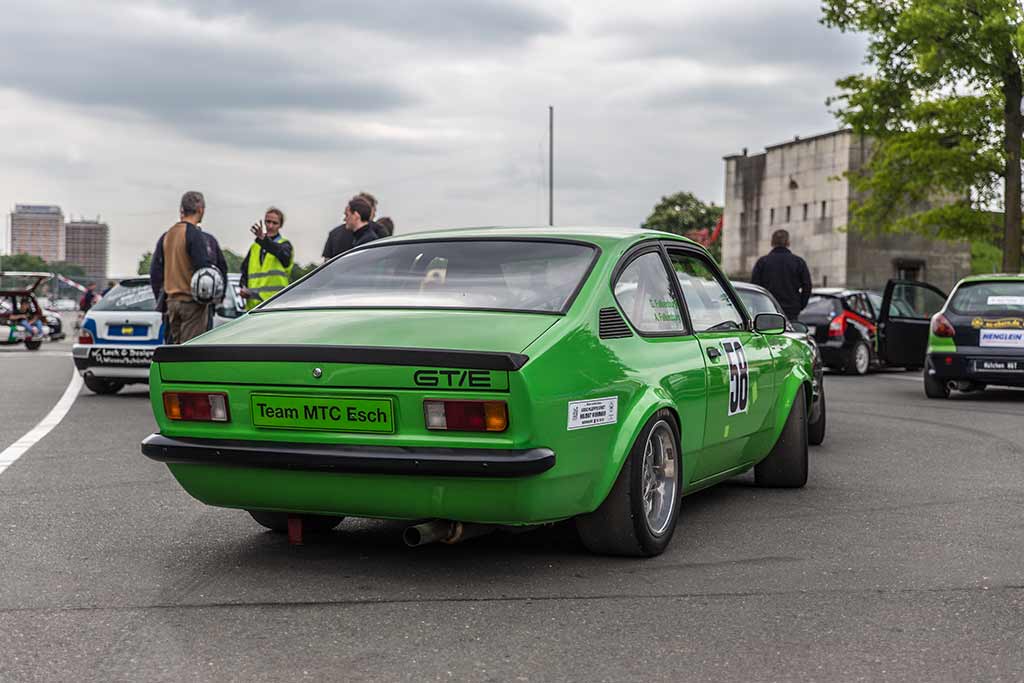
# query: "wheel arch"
795,379
649,404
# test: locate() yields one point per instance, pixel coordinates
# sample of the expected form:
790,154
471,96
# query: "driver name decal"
593,413
739,380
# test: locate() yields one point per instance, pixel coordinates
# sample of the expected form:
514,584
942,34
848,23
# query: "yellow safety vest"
267,278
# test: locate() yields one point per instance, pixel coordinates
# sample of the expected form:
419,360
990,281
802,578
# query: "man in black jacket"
785,275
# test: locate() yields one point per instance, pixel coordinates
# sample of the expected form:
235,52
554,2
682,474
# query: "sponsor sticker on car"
593,413
120,355
1002,338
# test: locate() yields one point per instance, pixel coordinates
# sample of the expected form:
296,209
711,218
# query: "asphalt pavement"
902,559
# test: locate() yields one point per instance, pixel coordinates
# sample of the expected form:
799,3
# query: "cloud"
215,86
435,22
758,34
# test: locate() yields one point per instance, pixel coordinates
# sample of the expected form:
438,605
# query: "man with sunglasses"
267,267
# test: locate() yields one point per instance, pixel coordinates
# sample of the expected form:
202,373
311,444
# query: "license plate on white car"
999,366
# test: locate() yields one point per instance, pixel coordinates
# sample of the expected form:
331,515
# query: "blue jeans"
33,328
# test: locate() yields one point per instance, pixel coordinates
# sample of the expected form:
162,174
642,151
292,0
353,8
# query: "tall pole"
551,165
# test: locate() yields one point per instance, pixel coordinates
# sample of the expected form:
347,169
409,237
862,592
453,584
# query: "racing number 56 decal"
739,379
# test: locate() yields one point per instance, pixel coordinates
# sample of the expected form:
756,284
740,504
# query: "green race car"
489,377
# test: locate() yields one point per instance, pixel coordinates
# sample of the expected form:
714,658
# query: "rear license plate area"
348,414
127,330
121,356
998,365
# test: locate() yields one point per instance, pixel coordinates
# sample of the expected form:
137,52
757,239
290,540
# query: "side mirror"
799,327
770,323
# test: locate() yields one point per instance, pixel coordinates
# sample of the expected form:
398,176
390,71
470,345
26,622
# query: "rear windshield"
467,274
822,305
127,298
989,298
757,302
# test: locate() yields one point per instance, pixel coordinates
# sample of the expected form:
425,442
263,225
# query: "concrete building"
800,186
38,230
87,244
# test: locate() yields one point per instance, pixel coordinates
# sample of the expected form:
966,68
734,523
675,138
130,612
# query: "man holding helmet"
188,272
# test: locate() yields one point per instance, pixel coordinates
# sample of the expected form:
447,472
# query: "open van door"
903,322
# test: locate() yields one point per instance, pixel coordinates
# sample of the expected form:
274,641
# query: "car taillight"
837,326
196,407
466,416
941,327
85,337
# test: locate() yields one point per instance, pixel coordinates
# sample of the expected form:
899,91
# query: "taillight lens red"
196,406
466,416
85,337
941,327
837,326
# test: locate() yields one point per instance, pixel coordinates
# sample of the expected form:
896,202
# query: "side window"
709,304
645,295
858,305
910,301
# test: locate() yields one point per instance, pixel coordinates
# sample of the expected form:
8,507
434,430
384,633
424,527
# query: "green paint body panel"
567,362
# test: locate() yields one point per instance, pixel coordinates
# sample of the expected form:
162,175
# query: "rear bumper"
961,367
447,462
124,367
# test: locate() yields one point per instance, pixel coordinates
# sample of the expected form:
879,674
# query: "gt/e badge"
469,379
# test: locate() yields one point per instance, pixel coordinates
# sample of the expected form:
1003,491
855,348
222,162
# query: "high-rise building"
38,230
87,244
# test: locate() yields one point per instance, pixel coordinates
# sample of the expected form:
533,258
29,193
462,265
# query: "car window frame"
632,254
747,324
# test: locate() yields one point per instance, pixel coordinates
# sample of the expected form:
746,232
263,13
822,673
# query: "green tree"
302,270
943,108
682,213
24,262
144,262
233,260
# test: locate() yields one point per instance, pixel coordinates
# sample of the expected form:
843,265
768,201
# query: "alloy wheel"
660,477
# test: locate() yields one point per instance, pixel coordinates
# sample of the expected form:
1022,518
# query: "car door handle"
714,353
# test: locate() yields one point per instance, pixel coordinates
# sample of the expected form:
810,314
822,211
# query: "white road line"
52,419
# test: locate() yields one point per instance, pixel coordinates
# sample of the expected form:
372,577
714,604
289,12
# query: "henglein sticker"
593,413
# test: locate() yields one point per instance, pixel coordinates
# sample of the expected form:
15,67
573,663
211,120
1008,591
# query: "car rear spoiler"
315,353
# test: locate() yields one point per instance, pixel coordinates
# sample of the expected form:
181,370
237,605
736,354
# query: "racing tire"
278,521
101,386
786,464
816,430
33,344
633,520
934,387
858,359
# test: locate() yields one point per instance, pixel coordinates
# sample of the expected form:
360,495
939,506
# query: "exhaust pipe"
952,384
443,531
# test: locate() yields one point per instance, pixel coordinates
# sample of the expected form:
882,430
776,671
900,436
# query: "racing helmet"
207,285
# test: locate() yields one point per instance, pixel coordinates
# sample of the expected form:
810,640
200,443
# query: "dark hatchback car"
757,300
857,329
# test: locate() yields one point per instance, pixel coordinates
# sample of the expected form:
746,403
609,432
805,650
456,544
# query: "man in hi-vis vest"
267,268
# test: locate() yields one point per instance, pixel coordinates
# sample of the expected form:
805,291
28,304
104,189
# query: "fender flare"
796,378
647,404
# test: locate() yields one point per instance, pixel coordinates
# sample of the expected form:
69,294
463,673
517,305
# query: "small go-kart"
22,319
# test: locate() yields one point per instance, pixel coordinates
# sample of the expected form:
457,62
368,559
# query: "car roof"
993,277
599,236
750,286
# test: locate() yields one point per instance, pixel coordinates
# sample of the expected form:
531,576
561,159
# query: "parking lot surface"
901,560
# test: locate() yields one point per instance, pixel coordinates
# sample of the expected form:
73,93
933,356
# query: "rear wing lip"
315,353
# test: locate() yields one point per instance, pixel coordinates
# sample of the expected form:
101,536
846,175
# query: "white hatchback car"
119,334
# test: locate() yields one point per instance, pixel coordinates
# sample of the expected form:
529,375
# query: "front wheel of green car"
786,464
639,515
278,521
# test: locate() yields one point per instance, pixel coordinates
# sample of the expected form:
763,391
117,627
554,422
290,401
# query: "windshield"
486,274
757,302
127,298
989,298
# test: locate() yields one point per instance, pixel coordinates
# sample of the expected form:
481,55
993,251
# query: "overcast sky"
439,107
